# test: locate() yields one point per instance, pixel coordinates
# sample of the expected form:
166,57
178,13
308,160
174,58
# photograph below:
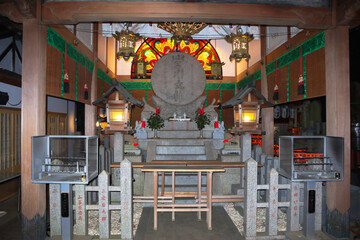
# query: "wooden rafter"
75,12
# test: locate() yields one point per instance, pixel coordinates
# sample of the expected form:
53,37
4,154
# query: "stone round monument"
178,78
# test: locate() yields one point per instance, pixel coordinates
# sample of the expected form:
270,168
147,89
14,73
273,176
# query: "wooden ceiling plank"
75,12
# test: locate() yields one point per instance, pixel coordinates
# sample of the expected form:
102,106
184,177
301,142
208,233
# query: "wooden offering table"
198,206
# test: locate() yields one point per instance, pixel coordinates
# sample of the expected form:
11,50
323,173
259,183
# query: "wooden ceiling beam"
216,13
9,77
348,13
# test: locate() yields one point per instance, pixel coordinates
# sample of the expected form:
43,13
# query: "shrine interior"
178,119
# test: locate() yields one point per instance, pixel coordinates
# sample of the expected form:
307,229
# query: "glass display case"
64,159
311,158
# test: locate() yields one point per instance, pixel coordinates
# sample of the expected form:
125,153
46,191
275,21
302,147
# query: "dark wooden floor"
10,223
186,226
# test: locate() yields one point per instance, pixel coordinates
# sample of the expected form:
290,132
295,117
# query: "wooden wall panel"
227,114
136,112
150,93
53,71
88,83
99,90
315,68
81,82
281,80
271,85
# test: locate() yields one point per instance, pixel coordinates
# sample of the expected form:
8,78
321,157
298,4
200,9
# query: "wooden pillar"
90,110
267,114
338,124
33,115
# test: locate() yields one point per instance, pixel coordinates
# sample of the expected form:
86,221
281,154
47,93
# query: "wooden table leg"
173,195
199,195
155,198
162,183
209,199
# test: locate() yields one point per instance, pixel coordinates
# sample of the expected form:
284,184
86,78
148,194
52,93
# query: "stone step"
181,150
236,189
180,142
183,181
180,157
194,134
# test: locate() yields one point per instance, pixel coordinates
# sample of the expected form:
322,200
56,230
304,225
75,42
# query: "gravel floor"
238,220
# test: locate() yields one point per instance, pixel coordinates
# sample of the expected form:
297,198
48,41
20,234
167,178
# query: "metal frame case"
64,159
322,158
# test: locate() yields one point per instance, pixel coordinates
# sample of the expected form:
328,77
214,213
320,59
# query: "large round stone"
178,78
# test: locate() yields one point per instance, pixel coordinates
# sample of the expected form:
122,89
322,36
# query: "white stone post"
293,217
81,219
245,141
318,206
272,199
118,147
55,210
104,216
250,204
126,200
262,169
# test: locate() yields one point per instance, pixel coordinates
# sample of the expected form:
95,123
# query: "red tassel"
276,87
276,92
216,124
86,92
227,140
66,76
66,82
143,124
301,89
135,144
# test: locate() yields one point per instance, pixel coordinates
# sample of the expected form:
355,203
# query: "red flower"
157,111
201,112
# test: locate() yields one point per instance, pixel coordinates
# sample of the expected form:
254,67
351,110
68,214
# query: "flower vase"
201,133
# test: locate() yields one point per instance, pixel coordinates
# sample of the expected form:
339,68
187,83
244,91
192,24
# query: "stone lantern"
247,103
118,104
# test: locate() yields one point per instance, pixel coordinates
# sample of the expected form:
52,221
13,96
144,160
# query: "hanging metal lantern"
127,40
216,69
240,45
182,31
140,68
